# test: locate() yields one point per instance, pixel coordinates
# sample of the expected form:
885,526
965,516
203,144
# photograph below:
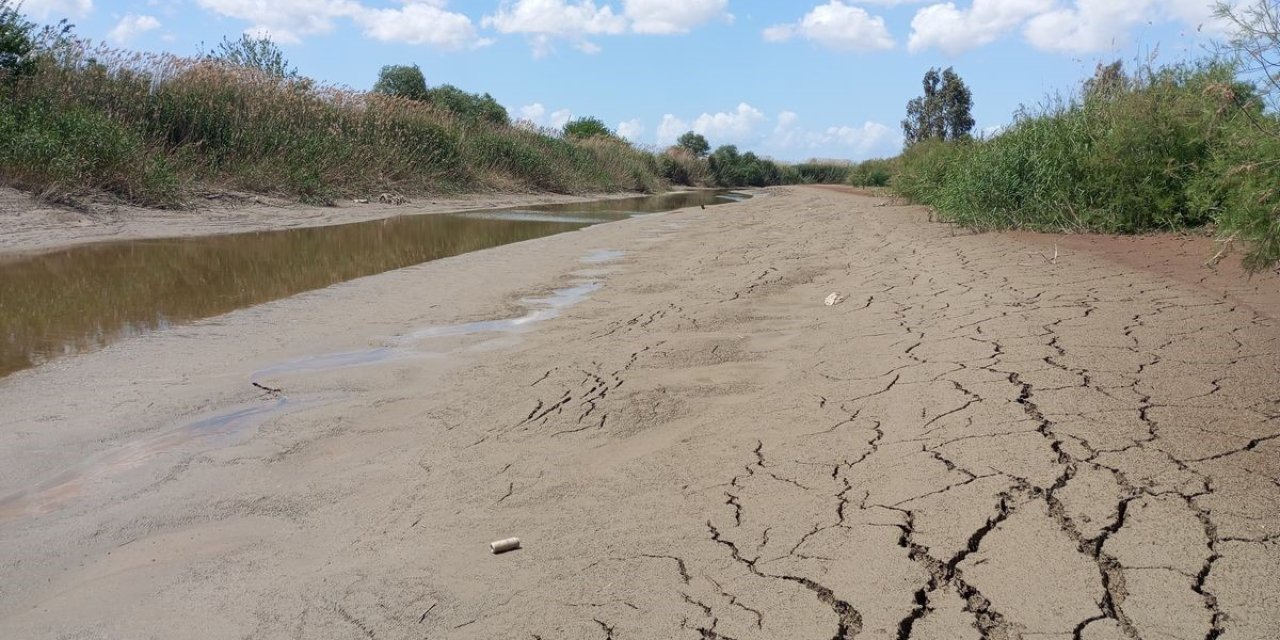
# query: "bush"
823,173
469,107
587,127
872,173
1168,148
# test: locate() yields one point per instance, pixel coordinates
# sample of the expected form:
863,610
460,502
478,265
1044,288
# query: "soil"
976,442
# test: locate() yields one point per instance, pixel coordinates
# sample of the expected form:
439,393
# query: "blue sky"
793,79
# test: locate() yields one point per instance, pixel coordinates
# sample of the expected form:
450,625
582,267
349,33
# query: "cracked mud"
974,445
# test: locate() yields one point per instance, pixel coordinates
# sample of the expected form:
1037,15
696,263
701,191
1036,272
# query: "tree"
21,42
469,107
944,112
259,54
694,143
405,81
587,127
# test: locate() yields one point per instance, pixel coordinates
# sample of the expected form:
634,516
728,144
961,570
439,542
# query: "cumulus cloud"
953,31
560,117
425,22
1074,26
538,115
421,23
132,26
670,128
872,138
576,21
57,9
631,130
731,126
838,26
545,20
1090,25
673,16
285,20
534,113
864,139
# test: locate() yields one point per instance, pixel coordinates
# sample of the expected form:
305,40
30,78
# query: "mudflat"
976,442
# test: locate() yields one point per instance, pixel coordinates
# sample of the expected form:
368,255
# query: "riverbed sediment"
977,442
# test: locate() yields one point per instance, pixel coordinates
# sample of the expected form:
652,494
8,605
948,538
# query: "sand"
974,444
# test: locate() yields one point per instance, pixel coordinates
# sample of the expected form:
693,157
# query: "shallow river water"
82,298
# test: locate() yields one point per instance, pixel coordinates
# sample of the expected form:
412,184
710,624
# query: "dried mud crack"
976,445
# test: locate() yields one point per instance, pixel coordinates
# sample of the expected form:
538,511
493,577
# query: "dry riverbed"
976,443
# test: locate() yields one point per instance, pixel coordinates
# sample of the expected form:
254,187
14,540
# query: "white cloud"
729,127
545,20
670,128
417,22
57,9
872,138
132,26
1199,14
953,31
631,130
285,20
537,115
1091,25
786,133
673,16
560,117
836,25
862,140
422,22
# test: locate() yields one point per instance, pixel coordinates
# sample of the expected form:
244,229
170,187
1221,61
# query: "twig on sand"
1222,253
271,390
424,613
1054,259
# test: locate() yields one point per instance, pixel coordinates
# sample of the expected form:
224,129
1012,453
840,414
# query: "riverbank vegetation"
153,129
1181,146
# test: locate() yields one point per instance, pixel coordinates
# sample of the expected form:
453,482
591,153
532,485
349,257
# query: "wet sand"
975,443
29,225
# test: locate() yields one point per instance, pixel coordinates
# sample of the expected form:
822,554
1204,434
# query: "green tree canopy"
944,112
21,41
694,143
405,81
470,107
587,127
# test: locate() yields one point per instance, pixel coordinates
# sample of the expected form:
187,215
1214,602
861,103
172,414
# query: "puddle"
228,425
538,310
602,255
218,429
83,298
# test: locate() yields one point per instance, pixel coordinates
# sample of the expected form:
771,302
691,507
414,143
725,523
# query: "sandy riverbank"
28,225
700,448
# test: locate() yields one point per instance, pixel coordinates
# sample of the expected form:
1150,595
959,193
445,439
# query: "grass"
1164,149
152,128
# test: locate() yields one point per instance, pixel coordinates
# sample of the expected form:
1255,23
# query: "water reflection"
83,298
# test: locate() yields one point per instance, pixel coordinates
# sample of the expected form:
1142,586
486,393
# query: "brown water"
82,298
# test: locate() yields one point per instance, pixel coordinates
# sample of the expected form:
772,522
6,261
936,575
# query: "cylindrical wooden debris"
503,546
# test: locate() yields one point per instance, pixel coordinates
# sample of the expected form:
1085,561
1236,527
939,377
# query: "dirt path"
974,444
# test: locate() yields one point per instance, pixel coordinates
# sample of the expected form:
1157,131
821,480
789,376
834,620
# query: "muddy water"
80,299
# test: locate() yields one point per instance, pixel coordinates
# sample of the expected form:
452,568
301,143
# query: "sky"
788,79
